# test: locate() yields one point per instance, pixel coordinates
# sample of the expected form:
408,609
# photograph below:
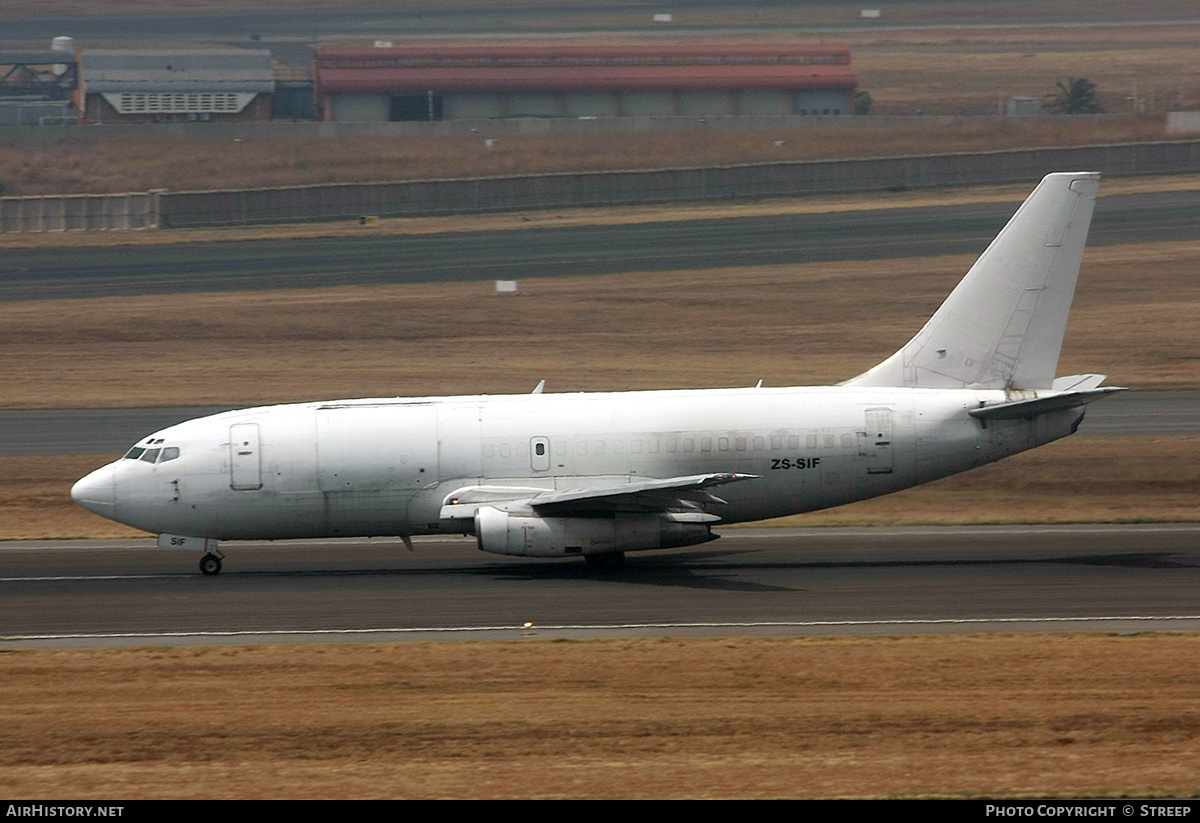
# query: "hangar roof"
587,68
209,70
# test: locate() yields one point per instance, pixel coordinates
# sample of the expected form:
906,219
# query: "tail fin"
1002,326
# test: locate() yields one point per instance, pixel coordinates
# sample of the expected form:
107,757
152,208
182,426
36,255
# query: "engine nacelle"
529,535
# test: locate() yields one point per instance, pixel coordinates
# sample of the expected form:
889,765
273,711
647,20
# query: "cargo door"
371,448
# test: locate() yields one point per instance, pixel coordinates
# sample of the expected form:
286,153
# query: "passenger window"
169,453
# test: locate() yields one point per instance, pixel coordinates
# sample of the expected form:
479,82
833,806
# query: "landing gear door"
245,464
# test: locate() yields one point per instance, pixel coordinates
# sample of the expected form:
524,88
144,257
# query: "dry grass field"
97,163
434,339
987,716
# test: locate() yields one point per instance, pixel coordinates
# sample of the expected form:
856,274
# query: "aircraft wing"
642,495
647,495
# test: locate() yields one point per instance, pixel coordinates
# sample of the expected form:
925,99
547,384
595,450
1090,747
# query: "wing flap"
641,495
646,495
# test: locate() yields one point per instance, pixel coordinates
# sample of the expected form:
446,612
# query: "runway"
270,27
790,239
792,582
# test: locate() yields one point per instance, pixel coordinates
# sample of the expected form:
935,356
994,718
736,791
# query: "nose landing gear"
210,564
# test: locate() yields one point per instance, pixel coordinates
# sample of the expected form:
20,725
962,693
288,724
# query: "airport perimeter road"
27,274
113,431
751,582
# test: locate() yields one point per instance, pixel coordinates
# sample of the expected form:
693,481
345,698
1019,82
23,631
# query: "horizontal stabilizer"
1047,403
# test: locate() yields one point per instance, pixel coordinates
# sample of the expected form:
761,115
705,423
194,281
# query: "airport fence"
80,212
339,202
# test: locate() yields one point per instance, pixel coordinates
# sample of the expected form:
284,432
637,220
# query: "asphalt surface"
548,252
751,582
264,27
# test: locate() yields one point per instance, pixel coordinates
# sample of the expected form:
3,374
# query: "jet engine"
531,535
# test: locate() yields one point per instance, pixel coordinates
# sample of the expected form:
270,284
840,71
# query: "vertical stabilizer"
1002,326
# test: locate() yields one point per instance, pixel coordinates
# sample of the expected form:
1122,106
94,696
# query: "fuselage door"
539,454
245,469
875,444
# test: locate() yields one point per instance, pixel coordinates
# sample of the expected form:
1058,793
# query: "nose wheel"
210,564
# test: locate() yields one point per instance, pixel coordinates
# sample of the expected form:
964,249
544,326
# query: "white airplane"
597,475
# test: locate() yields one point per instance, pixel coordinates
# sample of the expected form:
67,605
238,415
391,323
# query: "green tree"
862,102
1075,97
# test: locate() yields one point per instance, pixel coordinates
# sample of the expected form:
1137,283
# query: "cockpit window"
159,455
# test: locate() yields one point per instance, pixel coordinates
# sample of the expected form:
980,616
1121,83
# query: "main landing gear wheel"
210,564
608,560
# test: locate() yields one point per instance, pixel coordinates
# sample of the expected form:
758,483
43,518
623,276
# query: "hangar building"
38,87
475,83
170,86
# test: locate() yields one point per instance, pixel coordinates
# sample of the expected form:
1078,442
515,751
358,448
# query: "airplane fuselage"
388,466
596,475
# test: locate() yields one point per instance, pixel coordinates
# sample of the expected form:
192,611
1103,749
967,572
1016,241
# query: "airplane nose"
95,492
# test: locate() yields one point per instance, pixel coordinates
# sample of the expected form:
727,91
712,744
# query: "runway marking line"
607,627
